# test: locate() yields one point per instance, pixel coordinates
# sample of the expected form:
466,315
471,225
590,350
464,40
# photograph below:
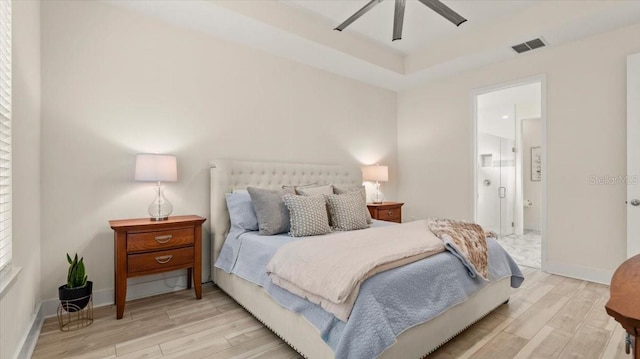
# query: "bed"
414,342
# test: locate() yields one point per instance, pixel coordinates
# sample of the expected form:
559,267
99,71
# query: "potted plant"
75,295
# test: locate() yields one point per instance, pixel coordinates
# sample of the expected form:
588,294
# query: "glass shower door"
507,188
496,173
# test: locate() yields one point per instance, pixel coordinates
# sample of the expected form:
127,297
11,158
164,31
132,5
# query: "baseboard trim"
590,274
31,337
134,291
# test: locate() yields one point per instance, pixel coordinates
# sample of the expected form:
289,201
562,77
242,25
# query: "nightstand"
143,247
386,211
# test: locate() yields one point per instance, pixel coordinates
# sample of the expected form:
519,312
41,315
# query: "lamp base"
378,196
160,208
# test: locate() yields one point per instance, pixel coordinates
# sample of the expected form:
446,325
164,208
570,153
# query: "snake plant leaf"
76,275
80,273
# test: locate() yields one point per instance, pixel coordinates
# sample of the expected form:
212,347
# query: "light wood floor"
548,317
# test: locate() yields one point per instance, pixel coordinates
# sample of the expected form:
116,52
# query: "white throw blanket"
328,270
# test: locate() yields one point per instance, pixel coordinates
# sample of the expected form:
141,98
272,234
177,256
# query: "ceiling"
422,26
431,47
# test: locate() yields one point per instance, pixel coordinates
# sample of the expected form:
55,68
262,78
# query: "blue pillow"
241,211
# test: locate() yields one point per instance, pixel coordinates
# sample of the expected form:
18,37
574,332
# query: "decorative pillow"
286,186
346,211
272,214
363,193
241,212
317,190
308,215
313,191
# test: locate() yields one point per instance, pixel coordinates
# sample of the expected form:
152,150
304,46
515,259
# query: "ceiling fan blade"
357,15
398,19
444,11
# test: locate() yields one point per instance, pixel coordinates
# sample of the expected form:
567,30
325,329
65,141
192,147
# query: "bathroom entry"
508,165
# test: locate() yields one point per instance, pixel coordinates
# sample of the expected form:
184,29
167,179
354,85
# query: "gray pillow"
316,190
363,193
241,212
313,191
273,215
287,186
308,215
346,211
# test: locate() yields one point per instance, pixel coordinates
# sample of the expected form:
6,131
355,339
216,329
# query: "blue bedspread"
388,303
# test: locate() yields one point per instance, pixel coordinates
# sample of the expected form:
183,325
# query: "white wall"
532,190
585,136
116,83
18,305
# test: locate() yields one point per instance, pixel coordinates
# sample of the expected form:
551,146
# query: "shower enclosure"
496,174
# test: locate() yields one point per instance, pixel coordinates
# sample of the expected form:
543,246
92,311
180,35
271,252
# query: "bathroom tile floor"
524,249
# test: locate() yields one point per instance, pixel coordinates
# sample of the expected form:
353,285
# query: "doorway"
509,160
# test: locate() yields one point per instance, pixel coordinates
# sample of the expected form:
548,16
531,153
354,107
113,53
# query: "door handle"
635,202
502,192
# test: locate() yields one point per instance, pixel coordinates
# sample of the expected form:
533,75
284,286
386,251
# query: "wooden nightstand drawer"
386,211
389,214
160,260
148,241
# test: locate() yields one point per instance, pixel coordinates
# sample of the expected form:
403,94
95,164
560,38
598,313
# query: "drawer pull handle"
164,259
163,239
390,213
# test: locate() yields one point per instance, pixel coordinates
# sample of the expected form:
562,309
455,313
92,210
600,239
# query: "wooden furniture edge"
624,302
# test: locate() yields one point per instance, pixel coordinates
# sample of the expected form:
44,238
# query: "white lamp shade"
375,173
156,168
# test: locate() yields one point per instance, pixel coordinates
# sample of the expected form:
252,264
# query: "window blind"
5,133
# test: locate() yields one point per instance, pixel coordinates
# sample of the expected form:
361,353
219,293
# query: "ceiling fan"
398,16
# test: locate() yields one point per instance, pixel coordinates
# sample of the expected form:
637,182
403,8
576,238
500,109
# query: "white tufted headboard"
227,175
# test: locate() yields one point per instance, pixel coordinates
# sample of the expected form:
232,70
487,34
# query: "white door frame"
633,169
542,79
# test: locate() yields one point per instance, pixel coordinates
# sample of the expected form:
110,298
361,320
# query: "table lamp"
379,174
157,168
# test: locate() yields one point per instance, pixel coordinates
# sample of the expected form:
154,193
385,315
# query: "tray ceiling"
431,47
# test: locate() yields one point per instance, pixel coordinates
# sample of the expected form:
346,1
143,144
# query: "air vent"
529,45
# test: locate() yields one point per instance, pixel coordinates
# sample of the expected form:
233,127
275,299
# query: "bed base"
415,342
